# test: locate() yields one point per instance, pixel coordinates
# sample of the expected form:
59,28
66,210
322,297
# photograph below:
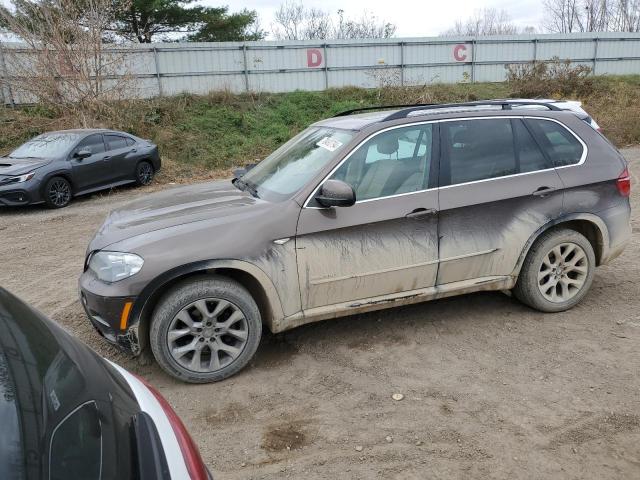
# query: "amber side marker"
124,317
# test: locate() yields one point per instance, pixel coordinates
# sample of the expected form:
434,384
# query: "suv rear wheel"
557,271
205,329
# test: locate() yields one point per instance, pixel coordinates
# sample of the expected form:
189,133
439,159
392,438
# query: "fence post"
326,67
535,50
595,54
246,67
402,64
4,74
473,60
157,63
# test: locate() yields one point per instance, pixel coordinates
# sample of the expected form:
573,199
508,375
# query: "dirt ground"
491,389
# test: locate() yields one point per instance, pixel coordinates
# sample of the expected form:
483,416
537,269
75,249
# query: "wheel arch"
588,224
60,173
248,275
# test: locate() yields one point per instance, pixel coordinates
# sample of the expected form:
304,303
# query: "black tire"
57,192
144,173
182,296
529,289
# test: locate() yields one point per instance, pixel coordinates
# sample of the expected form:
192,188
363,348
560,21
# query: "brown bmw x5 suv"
360,212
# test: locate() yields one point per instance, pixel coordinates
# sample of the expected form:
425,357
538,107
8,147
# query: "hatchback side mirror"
336,193
82,154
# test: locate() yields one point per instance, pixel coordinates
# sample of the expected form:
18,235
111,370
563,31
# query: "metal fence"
173,68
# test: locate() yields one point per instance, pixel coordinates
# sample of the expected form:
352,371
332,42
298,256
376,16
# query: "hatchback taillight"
192,459
624,183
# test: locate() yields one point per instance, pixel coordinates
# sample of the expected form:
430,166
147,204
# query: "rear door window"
530,157
477,150
562,147
116,142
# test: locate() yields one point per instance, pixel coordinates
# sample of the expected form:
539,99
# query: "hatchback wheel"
205,329
144,173
57,192
557,271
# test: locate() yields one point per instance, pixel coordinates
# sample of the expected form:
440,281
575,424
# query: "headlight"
114,266
21,178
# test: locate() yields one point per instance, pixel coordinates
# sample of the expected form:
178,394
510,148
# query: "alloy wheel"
145,173
207,335
59,193
563,272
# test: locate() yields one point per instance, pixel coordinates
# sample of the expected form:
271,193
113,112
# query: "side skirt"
393,300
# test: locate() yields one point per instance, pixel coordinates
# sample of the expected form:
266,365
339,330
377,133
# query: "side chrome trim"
585,151
321,280
467,255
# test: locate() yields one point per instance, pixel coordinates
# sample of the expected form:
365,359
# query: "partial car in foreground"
67,413
362,211
54,167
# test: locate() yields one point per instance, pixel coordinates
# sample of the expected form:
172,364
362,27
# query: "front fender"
145,302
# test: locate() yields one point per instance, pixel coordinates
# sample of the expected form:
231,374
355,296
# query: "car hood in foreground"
173,207
18,166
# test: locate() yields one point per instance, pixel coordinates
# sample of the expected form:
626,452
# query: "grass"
205,136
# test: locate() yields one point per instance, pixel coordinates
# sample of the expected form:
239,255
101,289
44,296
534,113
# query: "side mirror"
82,154
336,193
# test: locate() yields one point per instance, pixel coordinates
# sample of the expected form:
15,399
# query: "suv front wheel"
205,329
557,271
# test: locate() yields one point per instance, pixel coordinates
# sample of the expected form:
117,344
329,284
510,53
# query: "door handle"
421,212
544,191
106,157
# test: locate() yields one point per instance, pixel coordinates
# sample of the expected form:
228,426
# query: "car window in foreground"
560,144
46,146
76,445
291,166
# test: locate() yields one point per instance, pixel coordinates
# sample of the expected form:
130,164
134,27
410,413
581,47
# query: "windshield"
291,166
46,146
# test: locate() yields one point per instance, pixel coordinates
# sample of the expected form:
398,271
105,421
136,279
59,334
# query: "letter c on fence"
314,57
460,52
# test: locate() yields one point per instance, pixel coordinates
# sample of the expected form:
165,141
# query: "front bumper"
111,317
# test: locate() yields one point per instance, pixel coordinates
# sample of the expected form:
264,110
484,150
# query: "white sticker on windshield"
329,143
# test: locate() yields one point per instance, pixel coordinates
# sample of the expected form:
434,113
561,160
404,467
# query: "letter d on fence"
314,57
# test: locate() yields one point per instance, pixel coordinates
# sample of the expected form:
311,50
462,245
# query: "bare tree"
294,21
566,16
62,59
486,21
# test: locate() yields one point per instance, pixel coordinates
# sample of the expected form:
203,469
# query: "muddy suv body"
360,212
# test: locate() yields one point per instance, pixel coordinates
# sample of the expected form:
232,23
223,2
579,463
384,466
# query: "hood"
18,166
172,207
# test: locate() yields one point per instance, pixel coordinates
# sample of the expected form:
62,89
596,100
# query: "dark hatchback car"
54,167
66,413
356,213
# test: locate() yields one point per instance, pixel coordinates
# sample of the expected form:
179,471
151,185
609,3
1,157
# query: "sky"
417,18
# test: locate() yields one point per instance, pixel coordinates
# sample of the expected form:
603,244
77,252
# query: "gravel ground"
491,389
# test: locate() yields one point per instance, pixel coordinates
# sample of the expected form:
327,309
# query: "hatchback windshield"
291,166
46,146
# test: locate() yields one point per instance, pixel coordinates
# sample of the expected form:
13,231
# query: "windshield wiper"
246,186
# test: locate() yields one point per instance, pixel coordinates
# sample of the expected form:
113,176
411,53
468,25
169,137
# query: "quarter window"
393,162
562,147
116,142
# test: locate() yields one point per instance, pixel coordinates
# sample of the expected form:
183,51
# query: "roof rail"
380,107
504,104
405,110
